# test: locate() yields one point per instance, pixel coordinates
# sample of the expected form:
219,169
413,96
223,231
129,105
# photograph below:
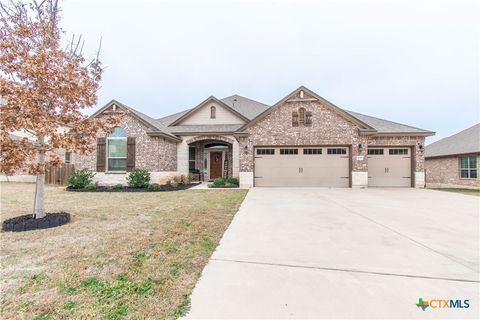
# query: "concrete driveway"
344,253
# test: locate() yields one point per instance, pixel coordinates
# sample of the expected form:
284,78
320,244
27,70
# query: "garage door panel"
307,170
389,167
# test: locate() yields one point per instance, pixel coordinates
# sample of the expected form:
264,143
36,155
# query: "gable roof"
341,112
211,98
464,142
246,107
252,111
157,127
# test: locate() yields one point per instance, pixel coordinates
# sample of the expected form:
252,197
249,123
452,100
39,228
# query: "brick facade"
154,154
327,128
445,172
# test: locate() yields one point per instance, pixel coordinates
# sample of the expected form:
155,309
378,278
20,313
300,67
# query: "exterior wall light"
421,147
360,148
245,148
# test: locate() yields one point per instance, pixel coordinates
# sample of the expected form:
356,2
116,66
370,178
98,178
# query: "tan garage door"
302,167
389,167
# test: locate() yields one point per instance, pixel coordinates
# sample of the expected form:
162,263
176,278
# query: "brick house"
302,140
453,161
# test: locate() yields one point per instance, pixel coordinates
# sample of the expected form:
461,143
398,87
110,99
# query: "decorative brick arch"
201,138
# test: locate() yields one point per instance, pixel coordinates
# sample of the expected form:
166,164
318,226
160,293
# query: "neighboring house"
453,161
67,156
303,140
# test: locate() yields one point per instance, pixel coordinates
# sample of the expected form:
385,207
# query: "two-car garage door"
321,166
302,167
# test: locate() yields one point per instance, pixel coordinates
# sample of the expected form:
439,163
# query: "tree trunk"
39,207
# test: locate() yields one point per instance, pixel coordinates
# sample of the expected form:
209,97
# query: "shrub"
118,187
219,182
232,181
186,179
154,186
173,183
91,186
79,179
138,178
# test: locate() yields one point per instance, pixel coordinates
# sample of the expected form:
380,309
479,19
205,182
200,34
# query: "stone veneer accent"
155,154
445,172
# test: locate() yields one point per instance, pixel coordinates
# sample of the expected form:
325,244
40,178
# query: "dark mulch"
222,187
27,222
163,188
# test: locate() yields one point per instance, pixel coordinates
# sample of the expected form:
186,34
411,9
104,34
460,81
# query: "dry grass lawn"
470,192
123,256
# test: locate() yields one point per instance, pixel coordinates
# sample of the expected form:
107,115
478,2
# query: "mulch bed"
126,189
27,222
222,187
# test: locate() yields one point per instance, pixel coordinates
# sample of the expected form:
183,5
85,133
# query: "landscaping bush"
186,179
175,182
219,182
138,178
90,186
232,182
154,186
79,179
118,187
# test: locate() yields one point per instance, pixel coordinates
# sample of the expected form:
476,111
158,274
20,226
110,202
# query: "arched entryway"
210,157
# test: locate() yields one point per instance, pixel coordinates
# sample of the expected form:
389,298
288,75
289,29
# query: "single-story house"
302,140
453,161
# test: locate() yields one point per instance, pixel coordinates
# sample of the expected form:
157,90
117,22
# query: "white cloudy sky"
412,62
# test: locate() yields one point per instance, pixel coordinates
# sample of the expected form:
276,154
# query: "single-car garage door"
389,167
302,167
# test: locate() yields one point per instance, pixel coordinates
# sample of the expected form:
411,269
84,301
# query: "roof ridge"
237,95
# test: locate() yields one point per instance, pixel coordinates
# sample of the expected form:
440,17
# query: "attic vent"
114,107
301,94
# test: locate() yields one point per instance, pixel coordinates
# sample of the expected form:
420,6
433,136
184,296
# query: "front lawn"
124,255
470,192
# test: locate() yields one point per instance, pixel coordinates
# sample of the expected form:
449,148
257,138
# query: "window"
398,152
468,167
265,151
288,151
301,117
213,112
312,151
68,156
337,151
375,151
192,161
117,150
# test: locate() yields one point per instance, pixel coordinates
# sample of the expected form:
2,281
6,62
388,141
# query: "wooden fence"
58,175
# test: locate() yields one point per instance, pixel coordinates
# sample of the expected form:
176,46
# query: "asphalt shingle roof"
250,109
466,141
386,126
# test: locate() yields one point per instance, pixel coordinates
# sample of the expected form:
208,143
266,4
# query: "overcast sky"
411,62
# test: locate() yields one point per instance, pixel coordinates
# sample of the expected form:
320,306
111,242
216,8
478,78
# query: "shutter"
308,120
101,155
130,153
295,119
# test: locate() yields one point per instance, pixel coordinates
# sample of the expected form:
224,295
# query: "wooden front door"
215,164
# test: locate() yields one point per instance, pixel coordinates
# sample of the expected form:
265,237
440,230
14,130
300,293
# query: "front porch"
211,157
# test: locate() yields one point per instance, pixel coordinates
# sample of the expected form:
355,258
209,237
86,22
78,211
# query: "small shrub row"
138,178
222,182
